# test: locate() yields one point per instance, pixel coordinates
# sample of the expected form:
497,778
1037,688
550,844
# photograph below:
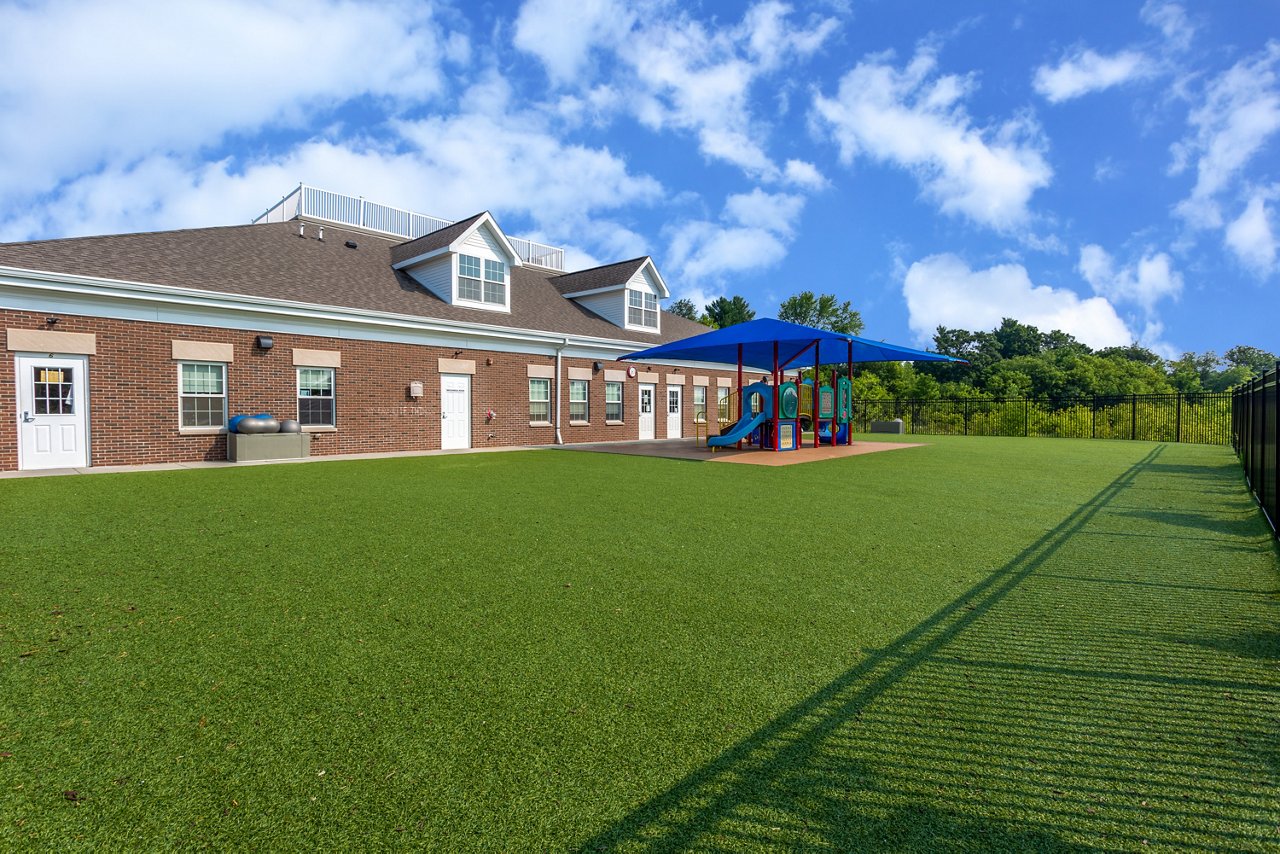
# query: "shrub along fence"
1254,432
1202,418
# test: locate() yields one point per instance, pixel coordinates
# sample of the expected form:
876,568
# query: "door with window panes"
674,412
53,411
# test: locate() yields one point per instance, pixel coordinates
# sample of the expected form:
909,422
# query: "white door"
455,411
647,393
673,411
53,412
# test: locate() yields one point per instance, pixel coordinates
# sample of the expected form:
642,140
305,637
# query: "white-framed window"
540,400
722,403
482,280
202,394
700,403
613,401
469,278
495,282
579,409
315,397
642,309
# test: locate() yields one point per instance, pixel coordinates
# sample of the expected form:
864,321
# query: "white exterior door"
648,392
455,411
674,393
53,412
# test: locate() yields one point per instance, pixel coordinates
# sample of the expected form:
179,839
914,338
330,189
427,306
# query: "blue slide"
738,431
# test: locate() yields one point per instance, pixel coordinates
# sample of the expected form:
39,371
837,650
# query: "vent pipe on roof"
321,237
302,229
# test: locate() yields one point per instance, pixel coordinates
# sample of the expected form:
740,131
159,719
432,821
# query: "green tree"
1258,361
1018,339
724,312
685,308
821,312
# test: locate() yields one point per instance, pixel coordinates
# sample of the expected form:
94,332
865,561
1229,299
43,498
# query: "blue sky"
1106,168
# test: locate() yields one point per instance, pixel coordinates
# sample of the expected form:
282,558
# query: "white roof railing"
314,203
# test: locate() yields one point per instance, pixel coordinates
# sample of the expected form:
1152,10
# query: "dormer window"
491,290
495,282
642,309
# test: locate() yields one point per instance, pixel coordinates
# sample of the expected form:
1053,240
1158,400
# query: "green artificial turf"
979,644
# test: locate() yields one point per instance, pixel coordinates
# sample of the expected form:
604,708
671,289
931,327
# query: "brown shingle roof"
598,277
272,261
431,241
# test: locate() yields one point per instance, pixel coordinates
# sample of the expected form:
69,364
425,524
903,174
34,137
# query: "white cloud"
1252,236
941,290
1087,71
1171,20
439,165
915,120
1239,114
672,72
805,175
753,233
91,84
775,212
1144,284
562,33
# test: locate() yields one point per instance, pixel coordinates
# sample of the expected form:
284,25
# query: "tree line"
1014,360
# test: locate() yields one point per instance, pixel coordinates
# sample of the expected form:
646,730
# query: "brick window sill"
201,431
539,423
319,428
614,423
579,423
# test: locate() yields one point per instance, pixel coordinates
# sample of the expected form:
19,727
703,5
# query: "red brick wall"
134,401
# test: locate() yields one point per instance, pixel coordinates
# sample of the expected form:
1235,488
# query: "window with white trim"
613,401
489,287
202,394
578,406
495,282
722,403
315,397
540,400
642,309
469,278
700,403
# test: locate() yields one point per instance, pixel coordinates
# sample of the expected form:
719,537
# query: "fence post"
1093,429
1133,417
1026,417
966,416
1177,429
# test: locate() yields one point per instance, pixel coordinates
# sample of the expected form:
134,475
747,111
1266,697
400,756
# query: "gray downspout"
559,349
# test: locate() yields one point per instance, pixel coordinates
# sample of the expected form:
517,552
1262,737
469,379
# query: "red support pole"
817,358
848,438
740,401
776,401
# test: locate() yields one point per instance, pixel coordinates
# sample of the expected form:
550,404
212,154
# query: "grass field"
980,644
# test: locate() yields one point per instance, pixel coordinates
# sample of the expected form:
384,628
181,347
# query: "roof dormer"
626,294
465,264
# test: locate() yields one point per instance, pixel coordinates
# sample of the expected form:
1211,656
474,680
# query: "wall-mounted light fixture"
51,320
264,342
415,389
597,366
489,361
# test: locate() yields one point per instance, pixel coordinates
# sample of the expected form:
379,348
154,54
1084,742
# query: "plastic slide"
738,431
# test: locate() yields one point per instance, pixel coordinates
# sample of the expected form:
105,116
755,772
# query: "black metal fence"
1254,431
1203,418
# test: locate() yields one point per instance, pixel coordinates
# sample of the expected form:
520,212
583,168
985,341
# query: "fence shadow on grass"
1042,710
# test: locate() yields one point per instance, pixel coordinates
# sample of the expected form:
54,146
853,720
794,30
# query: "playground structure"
773,421
827,415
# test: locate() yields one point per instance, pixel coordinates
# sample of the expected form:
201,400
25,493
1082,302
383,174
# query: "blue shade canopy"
795,348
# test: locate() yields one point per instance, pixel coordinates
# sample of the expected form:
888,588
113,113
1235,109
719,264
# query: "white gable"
483,242
644,280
